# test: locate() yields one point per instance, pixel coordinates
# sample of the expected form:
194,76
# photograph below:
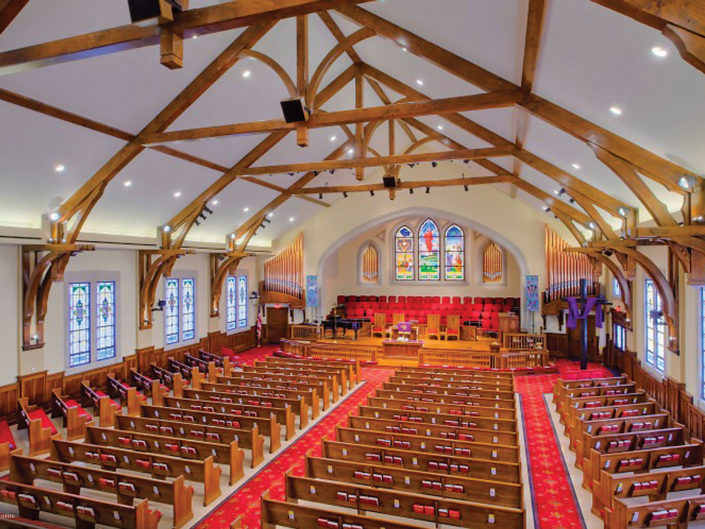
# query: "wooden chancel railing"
523,341
564,270
492,264
284,276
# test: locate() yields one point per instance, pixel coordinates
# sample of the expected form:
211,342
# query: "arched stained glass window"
404,254
171,311
655,327
105,320
454,254
242,301
429,252
231,303
189,311
79,324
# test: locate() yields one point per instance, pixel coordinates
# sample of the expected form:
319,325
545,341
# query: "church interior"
352,264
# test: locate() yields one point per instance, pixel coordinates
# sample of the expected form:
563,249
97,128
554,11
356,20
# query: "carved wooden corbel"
221,266
153,265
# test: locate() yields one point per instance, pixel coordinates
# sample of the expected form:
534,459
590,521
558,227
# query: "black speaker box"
294,110
389,181
146,9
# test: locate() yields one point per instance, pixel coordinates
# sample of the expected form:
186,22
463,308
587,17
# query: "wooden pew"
126,395
338,372
426,444
400,503
502,389
284,514
298,405
462,391
453,409
600,391
420,417
189,374
560,385
101,403
308,395
672,513
280,382
460,371
453,486
206,368
149,387
446,399
626,443
33,418
85,512
419,378
221,362
509,472
267,425
435,430
353,366
174,381
249,439
74,417
618,425
157,465
228,455
656,485
577,406
649,407
284,416
73,477
333,382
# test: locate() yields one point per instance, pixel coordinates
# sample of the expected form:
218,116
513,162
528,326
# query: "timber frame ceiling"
511,93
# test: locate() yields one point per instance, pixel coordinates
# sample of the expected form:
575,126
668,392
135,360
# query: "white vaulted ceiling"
590,59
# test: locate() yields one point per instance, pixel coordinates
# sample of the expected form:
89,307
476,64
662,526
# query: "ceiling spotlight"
419,82
686,182
291,219
232,236
214,202
576,166
201,215
556,192
466,161
411,190
439,127
345,194
351,150
127,183
546,209
659,51
434,164
59,168
177,194
561,192
466,188
315,173
262,225
267,221
333,138
616,111
372,193
245,209
210,211
292,174
246,74
428,190
166,228
404,49
699,218
571,200
591,225
195,37
623,211
54,216
270,215
196,220
320,196
332,171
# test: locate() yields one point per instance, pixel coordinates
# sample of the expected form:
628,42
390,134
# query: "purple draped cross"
574,313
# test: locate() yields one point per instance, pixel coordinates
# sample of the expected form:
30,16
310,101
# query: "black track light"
315,173
196,222
466,161
434,164
202,215
209,210
411,190
262,225
410,165
292,174
428,190
372,193
466,188
320,196
572,201
332,171
267,221
345,194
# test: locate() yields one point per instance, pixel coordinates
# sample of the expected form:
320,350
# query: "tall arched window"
492,264
655,328
404,254
370,264
429,252
454,254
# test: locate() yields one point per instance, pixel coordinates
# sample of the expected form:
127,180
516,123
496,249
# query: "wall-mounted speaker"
294,110
389,181
141,10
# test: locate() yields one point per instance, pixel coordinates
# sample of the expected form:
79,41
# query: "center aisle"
245,501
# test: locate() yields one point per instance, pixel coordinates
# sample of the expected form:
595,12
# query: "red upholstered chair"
478,301
434,327
373,298
507,308
380,324
341,300
392,299
427,299
467,300
401,299
456,299
453,327
445,300
382,299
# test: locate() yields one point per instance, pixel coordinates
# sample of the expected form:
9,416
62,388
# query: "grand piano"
333,324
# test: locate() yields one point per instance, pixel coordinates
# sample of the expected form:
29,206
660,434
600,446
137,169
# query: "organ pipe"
284,272
492,264
564,269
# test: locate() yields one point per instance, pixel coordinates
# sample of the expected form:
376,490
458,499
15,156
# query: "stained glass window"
105,320
231,303
429,252
242,301
454,254
171,311
615,288
79,324
404,254
620,337
189,313
655,328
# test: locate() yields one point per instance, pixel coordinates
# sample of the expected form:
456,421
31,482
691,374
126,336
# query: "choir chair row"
642,467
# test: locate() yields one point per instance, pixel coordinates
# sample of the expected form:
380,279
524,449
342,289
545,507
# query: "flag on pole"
258,329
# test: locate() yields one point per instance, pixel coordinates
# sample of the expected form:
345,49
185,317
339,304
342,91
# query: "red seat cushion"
46,422
112,402
6,435
71,403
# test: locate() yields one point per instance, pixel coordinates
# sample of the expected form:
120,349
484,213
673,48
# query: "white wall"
10,303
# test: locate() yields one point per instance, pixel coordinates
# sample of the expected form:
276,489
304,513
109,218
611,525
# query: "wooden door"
277,324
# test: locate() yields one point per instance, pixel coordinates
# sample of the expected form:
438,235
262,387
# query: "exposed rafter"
9,9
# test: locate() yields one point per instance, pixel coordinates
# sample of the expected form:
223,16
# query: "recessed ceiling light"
576,166
54,216
270,215
333,138
232,236
214,202
291,219
439,127
404,49
419,82
351,150
245,209
195,37
556,192
616,111
166,229
659,51
177,194
59,168
127,183
246,74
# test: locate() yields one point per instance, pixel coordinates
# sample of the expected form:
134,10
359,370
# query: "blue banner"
532,293
312,291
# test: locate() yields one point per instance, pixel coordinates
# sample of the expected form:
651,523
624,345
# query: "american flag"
258,330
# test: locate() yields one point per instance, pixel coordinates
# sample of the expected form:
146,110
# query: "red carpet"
554,504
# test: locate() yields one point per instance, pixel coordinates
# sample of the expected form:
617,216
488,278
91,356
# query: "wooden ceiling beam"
9,9
647,162
203,21
357,115
338,34
409,184
532,43
681,21
553,202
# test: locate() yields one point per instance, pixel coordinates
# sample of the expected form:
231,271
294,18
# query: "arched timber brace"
153,264
42,265
624,284
221,266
